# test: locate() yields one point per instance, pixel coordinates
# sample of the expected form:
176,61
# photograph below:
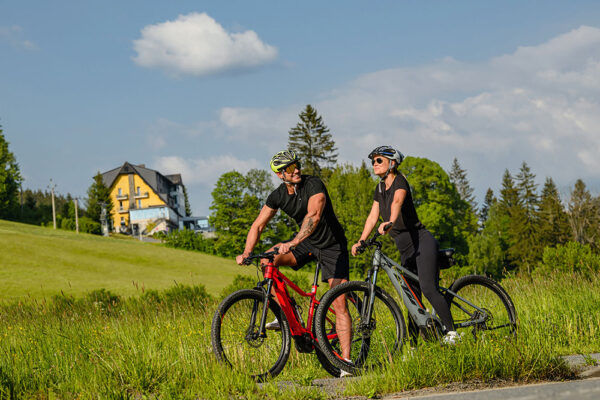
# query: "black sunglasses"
377,160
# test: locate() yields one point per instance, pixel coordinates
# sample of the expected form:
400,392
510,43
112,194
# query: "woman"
418,248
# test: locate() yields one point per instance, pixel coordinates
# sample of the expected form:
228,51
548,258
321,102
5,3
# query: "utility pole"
76,215
51,187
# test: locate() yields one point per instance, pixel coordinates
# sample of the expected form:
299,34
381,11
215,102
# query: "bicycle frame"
277,281
397,274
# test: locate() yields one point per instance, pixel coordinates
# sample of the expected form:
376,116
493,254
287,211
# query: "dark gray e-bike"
477,303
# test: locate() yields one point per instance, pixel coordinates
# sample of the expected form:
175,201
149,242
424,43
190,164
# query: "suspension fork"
367,309
267,298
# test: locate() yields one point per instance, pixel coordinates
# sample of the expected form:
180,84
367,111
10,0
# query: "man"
321,237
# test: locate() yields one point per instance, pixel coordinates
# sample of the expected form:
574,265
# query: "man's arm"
255,231
314,210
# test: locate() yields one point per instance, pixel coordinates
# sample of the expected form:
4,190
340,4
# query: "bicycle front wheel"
494,314
236,339
372,342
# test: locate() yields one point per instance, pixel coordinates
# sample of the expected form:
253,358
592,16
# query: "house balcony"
122,210
122,196
144,195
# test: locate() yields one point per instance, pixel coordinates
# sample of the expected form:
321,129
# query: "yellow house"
144,198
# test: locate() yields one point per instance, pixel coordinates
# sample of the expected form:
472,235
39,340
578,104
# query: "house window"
138,190
120,192
139,203
121,205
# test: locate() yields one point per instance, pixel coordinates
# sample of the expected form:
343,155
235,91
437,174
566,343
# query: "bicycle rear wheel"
236,338
497,314
372,342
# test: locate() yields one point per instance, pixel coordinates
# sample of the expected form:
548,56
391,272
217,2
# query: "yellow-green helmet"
282,159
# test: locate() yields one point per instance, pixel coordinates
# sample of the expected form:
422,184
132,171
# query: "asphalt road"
585,389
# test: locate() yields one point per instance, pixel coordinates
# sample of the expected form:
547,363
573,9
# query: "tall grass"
158,345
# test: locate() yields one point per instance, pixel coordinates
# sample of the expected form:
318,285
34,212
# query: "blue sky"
200,88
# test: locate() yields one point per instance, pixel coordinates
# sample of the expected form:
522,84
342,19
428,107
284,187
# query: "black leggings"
419,253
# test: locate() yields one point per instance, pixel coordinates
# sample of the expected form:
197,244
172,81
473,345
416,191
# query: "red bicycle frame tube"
280,284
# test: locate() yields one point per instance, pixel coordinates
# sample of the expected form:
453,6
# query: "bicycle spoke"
494,313
238,342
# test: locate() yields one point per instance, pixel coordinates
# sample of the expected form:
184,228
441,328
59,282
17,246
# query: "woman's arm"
369,225
396,206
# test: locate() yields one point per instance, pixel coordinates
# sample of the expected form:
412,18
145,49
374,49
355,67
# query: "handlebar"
373,241
270,255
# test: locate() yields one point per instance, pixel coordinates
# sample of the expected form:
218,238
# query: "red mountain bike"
238,333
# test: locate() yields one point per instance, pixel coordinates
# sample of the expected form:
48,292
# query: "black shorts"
334,260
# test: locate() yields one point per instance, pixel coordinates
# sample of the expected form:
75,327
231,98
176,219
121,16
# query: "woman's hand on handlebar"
355,248
285,248
384,227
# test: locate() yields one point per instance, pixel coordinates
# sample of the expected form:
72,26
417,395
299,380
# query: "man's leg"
343,322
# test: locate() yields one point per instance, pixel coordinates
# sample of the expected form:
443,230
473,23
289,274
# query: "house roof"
150,176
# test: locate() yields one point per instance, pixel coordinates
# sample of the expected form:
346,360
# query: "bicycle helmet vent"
282,159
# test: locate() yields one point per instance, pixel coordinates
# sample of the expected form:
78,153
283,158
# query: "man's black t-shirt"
408,219
329,230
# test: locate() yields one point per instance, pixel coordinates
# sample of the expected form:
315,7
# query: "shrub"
194,296
239,282
570,257
88,225
188,240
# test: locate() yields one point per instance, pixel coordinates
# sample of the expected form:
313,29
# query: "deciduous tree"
439,205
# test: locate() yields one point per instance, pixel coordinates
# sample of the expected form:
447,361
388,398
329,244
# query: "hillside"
39,262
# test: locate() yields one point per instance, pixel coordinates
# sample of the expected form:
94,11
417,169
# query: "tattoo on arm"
308,227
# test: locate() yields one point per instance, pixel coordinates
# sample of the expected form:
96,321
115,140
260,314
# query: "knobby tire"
233,341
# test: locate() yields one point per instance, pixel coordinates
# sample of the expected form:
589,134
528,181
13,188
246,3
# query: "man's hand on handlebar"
241,258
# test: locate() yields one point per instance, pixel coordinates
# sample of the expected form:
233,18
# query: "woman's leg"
428,271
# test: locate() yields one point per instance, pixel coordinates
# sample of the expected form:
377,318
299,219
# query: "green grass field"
40,262
156,344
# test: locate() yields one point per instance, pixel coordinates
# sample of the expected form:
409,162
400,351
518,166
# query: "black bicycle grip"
361,249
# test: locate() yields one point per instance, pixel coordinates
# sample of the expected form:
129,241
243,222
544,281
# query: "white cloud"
13,35
204,171
195,44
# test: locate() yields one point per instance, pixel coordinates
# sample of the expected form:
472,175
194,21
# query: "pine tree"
488,202
554,225
98,194
525,245
311,140
458,177
511,215
10,181
584,215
